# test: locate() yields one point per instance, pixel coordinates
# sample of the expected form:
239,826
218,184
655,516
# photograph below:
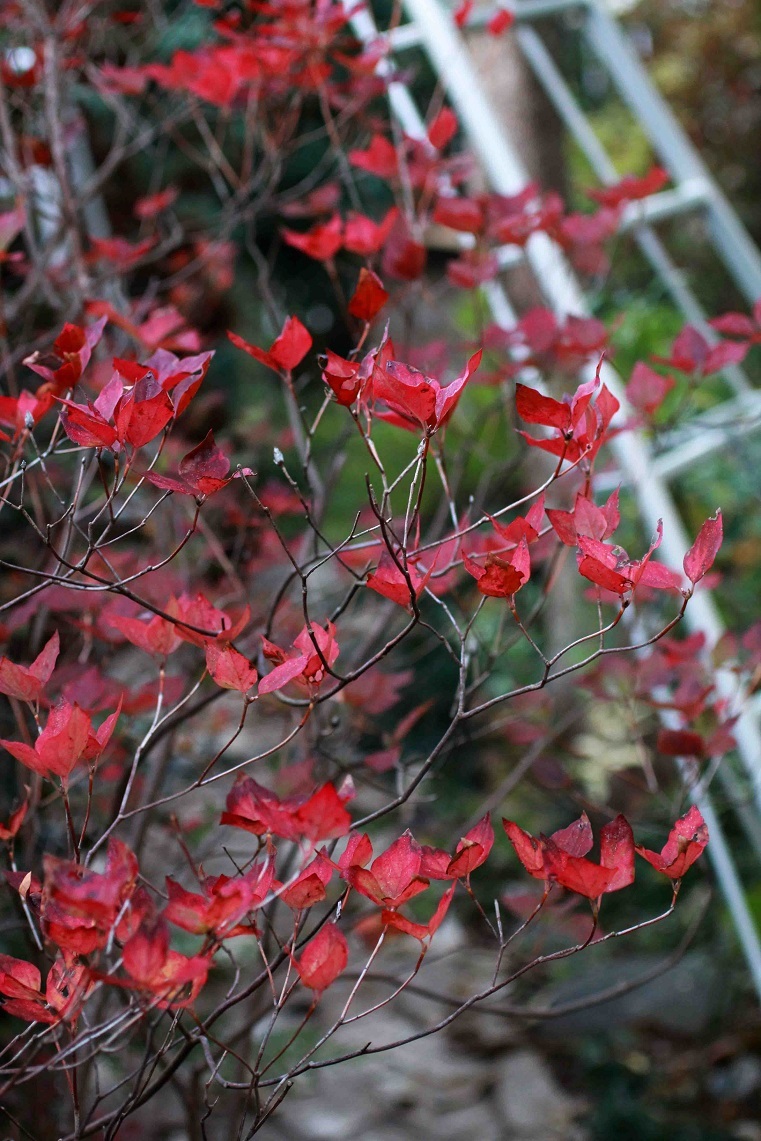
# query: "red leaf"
393,875
289,670
323,959
173,978
472,268
357,852
322,242
287,350
631,188
380,158
680,743
389,581
535,408
143,413
156,636
87,428
576,839
617,852
443,129
146,952
27,683
344,378
309,886
500,22
365,237
15,820
324,815
292,345
369,297
404,257
224,903
205,467
229,669
408,392
60,745
306,666
473,849
724,354
734,325
94,896
499,577
700,557
462,214
19,979
564,525
561,857
575,873
647,389
419,930
73,348
154,204
602,575
528,849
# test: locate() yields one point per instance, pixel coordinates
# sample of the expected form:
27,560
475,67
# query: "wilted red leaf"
306,666
686,842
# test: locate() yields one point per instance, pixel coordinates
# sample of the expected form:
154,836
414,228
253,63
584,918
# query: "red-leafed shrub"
245,653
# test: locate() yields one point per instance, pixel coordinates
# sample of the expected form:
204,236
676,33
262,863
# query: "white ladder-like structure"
430,27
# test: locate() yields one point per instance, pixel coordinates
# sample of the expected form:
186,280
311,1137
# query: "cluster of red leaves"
314,651
61,371
289,48
507,565
131,409
692,358
579,426
21,983
548,343
68,737
83,913
398,394
561,857
135,405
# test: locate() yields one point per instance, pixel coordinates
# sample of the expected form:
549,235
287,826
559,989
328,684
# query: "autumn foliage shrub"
239,673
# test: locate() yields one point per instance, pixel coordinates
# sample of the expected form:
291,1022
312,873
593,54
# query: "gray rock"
533,1106
736,1081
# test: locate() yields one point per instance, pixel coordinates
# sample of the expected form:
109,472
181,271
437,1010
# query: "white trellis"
431,28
